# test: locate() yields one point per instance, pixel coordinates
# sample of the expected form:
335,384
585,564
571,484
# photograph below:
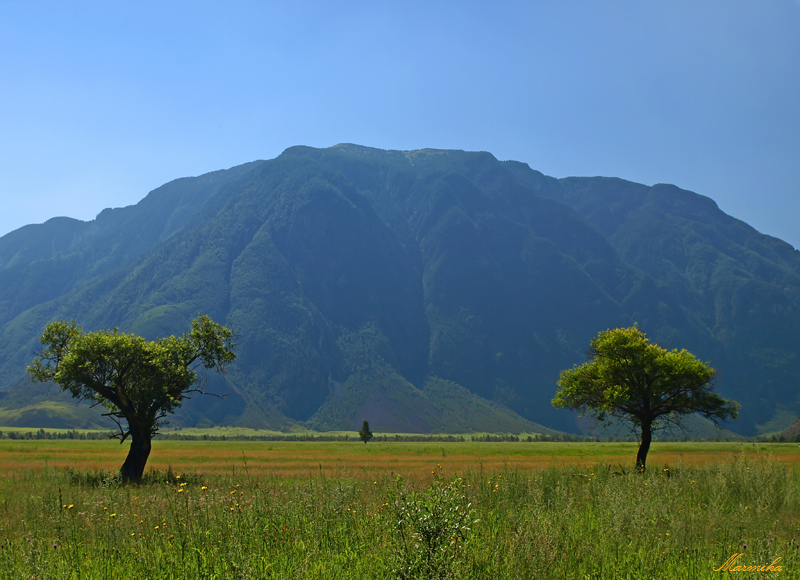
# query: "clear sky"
101,102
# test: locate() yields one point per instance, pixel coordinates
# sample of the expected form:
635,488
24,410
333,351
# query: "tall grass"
677,522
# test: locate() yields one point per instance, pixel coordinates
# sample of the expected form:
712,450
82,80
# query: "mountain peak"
424,286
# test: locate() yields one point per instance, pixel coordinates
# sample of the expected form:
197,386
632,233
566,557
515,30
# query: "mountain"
421,290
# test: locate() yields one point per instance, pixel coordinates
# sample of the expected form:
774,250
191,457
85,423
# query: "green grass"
333,458
594,522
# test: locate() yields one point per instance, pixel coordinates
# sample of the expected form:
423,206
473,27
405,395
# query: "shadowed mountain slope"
423,291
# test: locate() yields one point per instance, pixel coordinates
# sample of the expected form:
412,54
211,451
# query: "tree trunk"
133,468
644,447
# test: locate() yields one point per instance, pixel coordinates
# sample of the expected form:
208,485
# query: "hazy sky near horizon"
102,102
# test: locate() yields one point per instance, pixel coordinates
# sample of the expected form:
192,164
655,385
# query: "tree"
365,434
136,380
628,378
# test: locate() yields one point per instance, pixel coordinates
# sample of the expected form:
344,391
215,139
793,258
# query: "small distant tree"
652,388
138,381
365,434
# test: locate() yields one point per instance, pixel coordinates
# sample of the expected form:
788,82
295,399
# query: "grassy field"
309,459
248,509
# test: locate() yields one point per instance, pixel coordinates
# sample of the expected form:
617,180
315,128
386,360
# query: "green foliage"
629,378
135,379
138,381
432,528
364,433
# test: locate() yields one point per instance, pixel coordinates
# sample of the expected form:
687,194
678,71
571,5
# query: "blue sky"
103,102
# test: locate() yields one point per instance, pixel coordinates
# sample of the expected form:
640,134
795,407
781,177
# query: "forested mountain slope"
424,291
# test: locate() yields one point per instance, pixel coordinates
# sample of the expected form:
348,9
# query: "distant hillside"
424,291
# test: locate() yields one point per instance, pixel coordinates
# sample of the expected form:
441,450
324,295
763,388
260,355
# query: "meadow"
255,509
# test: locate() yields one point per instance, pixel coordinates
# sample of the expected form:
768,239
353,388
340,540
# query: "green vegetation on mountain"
428,290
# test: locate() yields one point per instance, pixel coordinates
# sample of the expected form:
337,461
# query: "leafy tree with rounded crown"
365,434
137,380
629,378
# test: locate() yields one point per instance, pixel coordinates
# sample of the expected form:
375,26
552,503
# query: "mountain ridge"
362,280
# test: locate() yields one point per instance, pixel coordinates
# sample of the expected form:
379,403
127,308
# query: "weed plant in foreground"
677,522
